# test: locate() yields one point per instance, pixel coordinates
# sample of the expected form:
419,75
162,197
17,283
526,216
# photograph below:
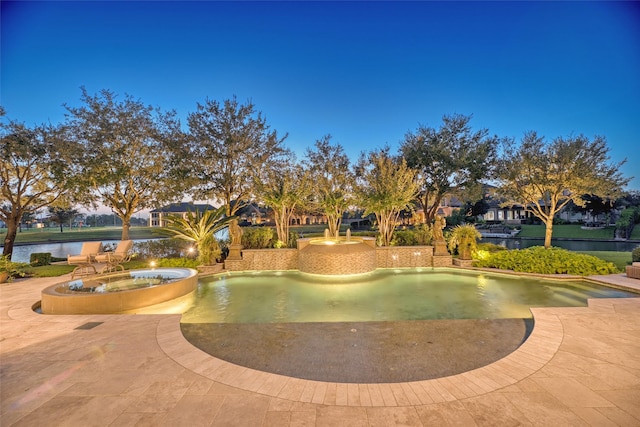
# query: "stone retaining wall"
386,257
404,256
269,259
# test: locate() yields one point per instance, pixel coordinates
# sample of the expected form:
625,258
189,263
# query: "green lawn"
568,231
84,234
620,259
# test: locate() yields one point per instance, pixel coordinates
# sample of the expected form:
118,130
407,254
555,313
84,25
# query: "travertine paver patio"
581,366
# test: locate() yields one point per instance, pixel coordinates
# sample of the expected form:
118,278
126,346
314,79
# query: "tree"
60,215
122,154
32,174
228,144
332,179
449,160
284,188
545,177
385,186
594,205
474,209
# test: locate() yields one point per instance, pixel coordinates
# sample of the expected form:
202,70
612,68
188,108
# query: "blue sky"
364,72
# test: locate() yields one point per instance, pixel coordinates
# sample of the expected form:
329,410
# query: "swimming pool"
383,295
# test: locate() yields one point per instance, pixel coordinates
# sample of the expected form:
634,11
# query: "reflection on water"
23,253
383,295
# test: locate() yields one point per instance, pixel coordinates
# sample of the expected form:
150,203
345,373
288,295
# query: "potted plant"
464,238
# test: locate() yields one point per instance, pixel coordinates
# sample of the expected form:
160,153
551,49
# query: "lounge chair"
115,259
85,259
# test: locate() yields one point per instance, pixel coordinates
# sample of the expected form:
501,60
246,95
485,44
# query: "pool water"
383,295
130,280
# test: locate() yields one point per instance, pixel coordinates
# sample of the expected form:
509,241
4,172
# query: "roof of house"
183,207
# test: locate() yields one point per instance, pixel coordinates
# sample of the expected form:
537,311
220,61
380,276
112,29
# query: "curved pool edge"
534,353
54,303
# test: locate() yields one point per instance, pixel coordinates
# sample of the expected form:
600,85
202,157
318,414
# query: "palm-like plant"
199,227
465,239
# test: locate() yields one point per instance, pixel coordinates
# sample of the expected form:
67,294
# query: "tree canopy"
449,160
332,180
284,186
385,186
544,177
33,174
122,153
228,144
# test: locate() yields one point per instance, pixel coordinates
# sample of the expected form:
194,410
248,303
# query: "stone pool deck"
580,366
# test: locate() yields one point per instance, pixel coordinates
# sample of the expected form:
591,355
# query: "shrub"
163,262
161,248
635,254
456,218
491,247
257,237
293,239
404,238
12,269
38,259
537,259
178,262
420,235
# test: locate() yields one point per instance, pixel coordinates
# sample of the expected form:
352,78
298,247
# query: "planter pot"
4,276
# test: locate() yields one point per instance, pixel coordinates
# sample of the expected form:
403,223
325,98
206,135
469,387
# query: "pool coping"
534,353
532,356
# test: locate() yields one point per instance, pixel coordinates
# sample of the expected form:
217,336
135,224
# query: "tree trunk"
10,237
126,225
548,232
334,225
61,226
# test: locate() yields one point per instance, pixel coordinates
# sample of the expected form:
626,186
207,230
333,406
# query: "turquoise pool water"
384,295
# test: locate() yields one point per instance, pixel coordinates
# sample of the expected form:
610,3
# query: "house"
510,214
157,217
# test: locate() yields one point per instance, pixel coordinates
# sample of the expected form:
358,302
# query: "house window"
500,215
490,216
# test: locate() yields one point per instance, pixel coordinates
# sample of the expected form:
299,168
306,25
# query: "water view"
572,245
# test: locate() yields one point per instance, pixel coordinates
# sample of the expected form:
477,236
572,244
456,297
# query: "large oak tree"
450,160
546,176
33,174
229,143
123,153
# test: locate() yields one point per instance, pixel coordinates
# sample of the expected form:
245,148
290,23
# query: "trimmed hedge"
635,254
537,259
39,259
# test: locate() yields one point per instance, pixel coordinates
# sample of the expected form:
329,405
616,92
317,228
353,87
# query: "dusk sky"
364,72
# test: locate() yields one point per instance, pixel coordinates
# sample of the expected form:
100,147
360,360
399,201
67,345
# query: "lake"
572,245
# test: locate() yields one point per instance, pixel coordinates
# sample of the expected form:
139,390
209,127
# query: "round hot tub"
118,293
